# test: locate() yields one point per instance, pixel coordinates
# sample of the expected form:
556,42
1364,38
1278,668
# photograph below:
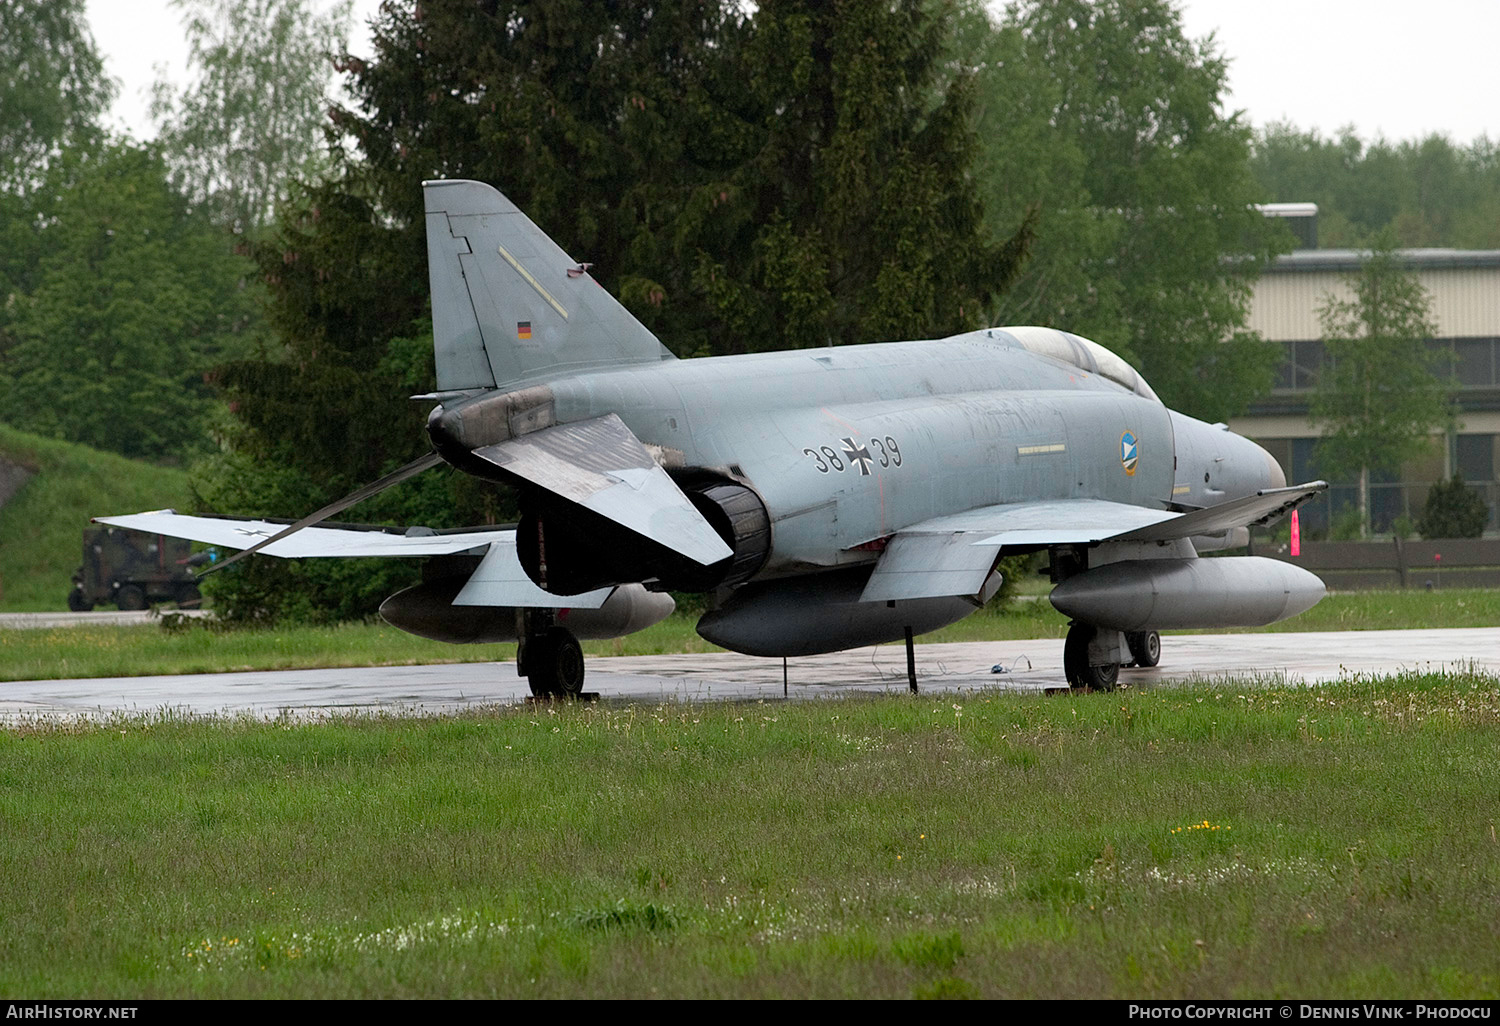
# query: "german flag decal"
523,331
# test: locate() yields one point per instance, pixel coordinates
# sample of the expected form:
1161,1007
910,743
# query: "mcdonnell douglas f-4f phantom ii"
827,498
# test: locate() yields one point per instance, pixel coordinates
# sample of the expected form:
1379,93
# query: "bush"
1347,525
1453,510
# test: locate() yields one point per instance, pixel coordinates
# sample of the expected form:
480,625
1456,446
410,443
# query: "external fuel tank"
1164,594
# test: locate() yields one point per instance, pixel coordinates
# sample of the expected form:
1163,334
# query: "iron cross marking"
857,453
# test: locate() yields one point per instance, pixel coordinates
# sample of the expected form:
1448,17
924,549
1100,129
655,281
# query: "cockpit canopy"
1080,352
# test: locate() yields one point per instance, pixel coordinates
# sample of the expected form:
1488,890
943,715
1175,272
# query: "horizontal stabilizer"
310,542
601,466
500,581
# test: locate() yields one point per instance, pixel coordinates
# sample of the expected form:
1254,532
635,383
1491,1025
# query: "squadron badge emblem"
1128,453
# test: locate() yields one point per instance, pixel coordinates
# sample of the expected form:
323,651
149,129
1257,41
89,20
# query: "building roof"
1304,260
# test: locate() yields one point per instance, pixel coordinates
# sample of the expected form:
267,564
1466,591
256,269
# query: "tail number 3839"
854,455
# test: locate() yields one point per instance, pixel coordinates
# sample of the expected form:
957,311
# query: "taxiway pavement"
1032,666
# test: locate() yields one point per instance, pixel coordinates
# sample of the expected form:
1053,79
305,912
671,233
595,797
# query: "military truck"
134,569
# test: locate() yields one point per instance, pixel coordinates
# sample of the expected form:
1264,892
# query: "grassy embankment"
1208,841
41,528
134,651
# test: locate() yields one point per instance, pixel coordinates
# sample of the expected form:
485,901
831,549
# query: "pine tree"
790,177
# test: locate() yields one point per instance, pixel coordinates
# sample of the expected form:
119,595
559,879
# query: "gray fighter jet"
825,498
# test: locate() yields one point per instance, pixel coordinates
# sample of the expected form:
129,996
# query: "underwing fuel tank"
822,613
427,611
1163,594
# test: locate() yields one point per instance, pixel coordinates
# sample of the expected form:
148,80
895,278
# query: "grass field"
133,651
41,528
1206,841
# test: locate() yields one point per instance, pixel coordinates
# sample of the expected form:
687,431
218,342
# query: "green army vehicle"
134,569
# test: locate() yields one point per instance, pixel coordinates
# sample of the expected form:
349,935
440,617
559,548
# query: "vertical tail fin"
508,305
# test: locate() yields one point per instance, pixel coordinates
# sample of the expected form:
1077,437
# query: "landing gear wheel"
130,597
554,664
1076,661
77,602
1145,647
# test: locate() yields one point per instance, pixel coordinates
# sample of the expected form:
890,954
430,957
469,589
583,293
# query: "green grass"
1390,610
1205,841
106,651
41,528
148,649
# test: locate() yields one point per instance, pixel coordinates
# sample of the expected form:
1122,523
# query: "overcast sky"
1387,67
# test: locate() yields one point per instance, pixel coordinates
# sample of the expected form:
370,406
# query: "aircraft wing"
234,533
1264,507
498,581
954,555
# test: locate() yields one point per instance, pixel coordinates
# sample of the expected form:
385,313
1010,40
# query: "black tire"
1076,661
77,602
130,597
1104,678
567,661
1145,647
189,597
554,664
538,659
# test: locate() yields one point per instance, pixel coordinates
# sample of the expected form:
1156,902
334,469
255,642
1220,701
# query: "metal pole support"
911,662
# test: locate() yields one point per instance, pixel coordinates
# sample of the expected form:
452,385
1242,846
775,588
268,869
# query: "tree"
1109,120
790,178
1377,399
857,217
742,182
1453,510
124,299
537,98
253,118
1428,191
53,88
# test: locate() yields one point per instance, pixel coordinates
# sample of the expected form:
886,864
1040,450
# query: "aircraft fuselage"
847,445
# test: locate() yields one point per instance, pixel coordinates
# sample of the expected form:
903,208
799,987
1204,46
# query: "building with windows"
1465,289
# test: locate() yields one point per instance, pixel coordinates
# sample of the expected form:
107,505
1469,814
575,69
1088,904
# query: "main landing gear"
1089,660
549,657
1092,656
1145,647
